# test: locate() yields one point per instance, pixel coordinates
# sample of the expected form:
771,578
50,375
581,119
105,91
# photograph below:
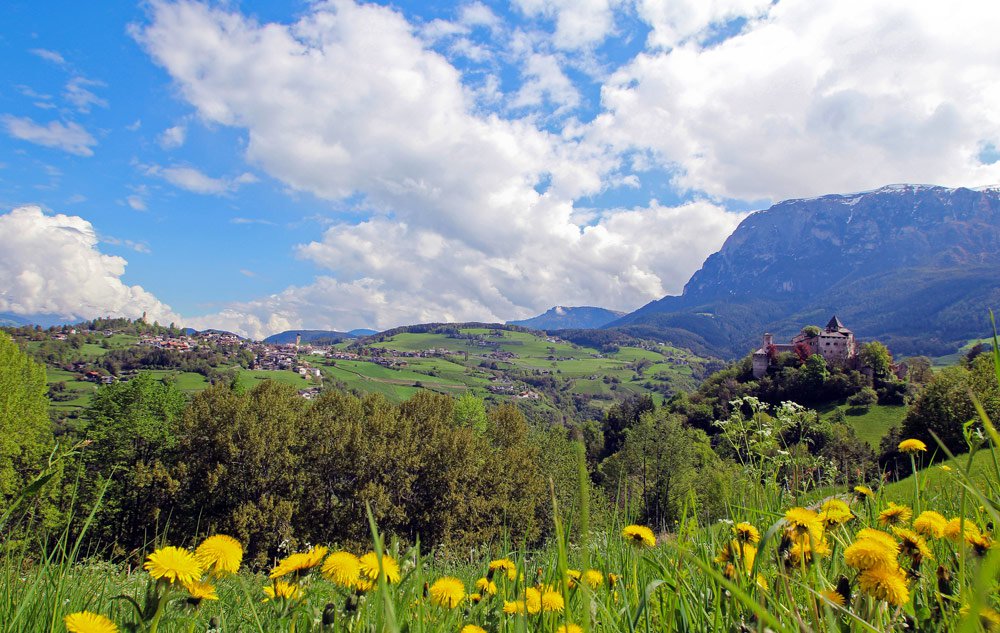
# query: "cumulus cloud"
578,23
51,264
349,101
69,137
546,82
811,96
173,137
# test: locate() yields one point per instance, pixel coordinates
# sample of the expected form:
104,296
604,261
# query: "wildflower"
299,563
173,564
734,550
863,493
343,569
980,543
833,597
988,618
87,622
945,467
553,601
894,514
802,522
506,566
594,578
640,536
746,533
885,584
487,586
475,598
472,628
279,589
835,512
807,550
220,555
613,580
570,628
930,524
369,568
532,600
870,554
912,446
880,536
447,592
573,578
200,590
514,607
956,528
913,545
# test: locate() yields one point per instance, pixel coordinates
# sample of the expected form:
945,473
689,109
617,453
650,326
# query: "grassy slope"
872,425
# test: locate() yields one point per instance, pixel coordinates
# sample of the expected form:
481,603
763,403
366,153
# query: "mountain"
912,265
562,318
9,319
362,331
313,337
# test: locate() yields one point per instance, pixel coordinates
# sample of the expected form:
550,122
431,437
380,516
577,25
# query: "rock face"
913,265
563,318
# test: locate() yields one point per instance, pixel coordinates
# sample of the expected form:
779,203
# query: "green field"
872,425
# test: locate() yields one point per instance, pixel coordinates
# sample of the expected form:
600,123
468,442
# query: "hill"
911,265
567,318
313,337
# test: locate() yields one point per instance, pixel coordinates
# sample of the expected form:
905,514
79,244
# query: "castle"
835,343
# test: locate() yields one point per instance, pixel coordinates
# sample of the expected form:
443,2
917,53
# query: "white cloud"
173,137
195,181
546,82
52,265
49,56
78,93
678,21
816,96
349,101
579,23
136,202
69,137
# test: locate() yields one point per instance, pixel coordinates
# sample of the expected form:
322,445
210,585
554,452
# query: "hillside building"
835,343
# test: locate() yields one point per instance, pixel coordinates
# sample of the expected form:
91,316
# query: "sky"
265,166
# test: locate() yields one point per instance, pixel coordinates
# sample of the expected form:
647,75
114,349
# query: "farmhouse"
835,343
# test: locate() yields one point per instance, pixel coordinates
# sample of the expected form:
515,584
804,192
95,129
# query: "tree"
133,429
863,399
918,369
876,356
25,431
470,412
621,417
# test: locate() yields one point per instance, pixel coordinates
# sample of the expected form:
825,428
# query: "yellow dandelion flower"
87,622
506,566
762,582
472,628
173,564
570,628
282,590
834,516
870,553
200,590
447,592
980,543
613,580
746,533
514,607
220,555
894,514
342,569
881,537
885,584
834,504
640,536
954,529
930,524
988,618
369,568
486,586
912,446
475,598
735,550
532,600
833,597
573,578
912,544
802,522
552,601
299,563
594,578
862,493
807,550
945,467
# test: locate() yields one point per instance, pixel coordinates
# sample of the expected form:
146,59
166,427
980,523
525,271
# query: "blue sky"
261,166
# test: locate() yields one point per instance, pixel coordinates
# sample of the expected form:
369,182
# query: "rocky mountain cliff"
913,265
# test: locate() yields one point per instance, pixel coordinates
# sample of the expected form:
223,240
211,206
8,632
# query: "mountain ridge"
570,317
